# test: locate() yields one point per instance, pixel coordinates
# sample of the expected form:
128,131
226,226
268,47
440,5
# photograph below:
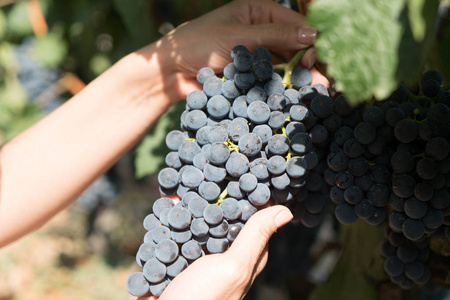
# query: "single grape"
137,285
154,270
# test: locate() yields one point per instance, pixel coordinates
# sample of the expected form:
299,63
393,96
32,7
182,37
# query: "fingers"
174,198
253,238
317,77
276,36
309,58
269,11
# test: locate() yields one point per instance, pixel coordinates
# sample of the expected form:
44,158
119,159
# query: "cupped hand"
229,275
207,41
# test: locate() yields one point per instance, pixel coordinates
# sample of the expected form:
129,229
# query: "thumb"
253,238
277,36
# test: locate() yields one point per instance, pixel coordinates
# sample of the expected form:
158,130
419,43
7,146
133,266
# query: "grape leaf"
440,60
360,260
417,21
2,24
369,46
358,41
413,53
152,150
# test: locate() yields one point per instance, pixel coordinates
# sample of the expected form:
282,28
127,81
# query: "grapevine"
262,134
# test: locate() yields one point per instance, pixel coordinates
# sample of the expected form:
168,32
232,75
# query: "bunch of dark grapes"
252,138
391,160
246,138
405,260
358,170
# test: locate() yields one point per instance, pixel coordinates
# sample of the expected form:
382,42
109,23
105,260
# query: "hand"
229,275
207,41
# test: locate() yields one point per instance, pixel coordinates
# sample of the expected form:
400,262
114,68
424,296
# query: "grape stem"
422,155
232,146
414,98
222,196
289,67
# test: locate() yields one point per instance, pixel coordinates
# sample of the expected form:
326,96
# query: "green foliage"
3,25
151,152
137,19
413,53
416,20
18,22
440,60
99,63
359,264
358,41
51,49
369,46
16,114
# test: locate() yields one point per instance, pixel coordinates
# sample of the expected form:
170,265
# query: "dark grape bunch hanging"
252,138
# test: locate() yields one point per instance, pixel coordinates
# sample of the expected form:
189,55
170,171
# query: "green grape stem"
222,196
232,146
283,131
290,66
421,155
414,98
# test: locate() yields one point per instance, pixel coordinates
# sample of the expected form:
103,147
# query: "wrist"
151,72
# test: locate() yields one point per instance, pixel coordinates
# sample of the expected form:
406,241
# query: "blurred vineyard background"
49,50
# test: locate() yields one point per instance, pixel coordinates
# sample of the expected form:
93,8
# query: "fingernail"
307,36
283,218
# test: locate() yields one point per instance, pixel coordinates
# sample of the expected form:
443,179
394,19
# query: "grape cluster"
390,159
405,260
244,141
358,167
252,137
177,235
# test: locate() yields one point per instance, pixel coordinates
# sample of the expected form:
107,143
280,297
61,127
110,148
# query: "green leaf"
29,115
417,21
359,41
137,20
3,24
152,150
360,260
413,54
8,58
51,49
440,60
19,24
99,63
18,21
13,96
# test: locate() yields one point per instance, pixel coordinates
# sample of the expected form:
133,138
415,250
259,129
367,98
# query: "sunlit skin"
45,168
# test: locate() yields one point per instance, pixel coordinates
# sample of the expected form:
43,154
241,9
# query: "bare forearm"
46,167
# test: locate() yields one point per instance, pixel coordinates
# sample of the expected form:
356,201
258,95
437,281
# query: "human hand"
207,41
229,275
